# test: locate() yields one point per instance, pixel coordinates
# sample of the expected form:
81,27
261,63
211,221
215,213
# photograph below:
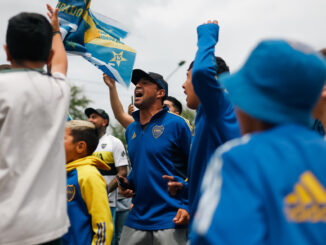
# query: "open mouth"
138,93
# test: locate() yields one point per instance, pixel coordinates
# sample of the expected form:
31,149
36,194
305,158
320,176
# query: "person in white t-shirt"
33,111
111,150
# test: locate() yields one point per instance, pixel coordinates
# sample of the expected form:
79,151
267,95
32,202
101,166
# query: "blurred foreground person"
33,112
268,187
320,108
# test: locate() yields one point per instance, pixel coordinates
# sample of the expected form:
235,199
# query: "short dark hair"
29,37
176,103
221,65
84,131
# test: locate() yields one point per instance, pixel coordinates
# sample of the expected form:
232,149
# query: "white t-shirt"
33,112
111,150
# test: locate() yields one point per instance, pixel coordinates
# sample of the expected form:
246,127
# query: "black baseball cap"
99,112
138,74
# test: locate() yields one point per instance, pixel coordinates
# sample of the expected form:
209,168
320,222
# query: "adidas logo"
133,136
307,202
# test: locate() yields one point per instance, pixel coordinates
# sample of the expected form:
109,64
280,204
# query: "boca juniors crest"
71,191
157,131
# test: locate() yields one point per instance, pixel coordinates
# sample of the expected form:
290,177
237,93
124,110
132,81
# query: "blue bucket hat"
280,82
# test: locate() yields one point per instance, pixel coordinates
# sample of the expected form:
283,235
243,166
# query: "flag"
96,38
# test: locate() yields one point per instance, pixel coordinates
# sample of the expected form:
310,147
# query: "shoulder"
179,120
114,139
87,172
131,127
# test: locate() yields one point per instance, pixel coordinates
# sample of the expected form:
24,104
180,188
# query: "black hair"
176,103
221,65
29,37
89,135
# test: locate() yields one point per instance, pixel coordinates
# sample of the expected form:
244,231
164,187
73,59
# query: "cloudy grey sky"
163,32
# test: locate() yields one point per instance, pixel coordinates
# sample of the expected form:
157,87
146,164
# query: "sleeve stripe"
99,230
101,233
104,229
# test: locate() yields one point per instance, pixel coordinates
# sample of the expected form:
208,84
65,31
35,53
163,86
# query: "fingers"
212,22
176,219
130,109
108,80
56,11
126,192
174,187
167,177
182,217
175,184
50,9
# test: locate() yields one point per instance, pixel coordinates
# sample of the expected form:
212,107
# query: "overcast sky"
163,32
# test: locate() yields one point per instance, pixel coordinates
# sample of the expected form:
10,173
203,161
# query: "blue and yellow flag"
96,38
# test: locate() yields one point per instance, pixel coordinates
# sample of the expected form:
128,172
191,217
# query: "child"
33,111
88,204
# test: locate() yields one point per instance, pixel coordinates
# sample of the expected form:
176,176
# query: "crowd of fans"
250,171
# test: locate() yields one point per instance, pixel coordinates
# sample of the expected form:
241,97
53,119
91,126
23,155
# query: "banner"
96,38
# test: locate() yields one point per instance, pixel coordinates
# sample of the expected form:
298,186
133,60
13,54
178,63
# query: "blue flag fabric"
96,38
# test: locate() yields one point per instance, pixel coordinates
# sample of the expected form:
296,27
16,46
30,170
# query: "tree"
189,115
78,103
119,132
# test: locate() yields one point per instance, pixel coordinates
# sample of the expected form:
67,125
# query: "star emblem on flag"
118,57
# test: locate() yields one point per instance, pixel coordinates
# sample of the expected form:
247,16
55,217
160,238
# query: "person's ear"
7,53
323,92
105,122
81,147
160,93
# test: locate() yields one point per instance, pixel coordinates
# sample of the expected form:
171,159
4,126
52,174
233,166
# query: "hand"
182,217
125,192
108,81
212,22
173,186
53,15
130,109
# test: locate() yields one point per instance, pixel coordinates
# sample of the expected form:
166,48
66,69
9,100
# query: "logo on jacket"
307,201
133,136
71,191
103,145
157,131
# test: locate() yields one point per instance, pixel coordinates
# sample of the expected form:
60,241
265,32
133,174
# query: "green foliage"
78,103
189,115
119,132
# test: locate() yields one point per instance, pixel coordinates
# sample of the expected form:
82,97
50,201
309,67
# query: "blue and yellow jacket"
265,188
88,204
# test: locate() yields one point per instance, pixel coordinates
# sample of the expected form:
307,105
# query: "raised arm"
123,118
204,73
59,62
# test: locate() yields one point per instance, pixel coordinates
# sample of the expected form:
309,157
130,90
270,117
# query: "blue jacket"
267,188
215,120
161,148
88,203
